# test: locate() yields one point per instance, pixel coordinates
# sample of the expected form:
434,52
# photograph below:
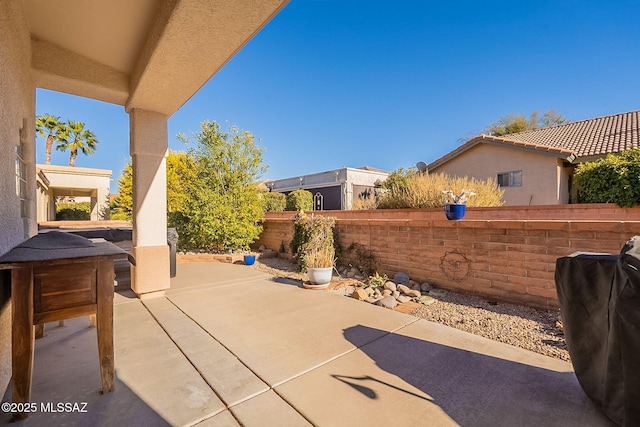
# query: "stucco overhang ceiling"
149,54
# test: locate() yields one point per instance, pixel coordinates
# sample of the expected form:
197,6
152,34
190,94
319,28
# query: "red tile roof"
577,141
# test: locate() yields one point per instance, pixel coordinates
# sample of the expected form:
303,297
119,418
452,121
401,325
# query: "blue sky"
332,83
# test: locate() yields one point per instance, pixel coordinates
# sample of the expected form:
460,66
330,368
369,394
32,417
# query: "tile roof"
578,141
592,137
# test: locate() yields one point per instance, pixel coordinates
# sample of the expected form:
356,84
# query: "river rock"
413,285
359,294
425,287
413,293
386,293
395,294
390,285
404,289
403,298
387,302
401,278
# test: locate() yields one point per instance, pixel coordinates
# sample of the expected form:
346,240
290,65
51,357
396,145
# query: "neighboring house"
536,167
335,189
55,181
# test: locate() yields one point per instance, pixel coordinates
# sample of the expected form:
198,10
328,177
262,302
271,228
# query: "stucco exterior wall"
72,181
544,180
17,117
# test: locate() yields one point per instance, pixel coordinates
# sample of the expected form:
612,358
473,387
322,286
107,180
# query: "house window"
21,174
510,179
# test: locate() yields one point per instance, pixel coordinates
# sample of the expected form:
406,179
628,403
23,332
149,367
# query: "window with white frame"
510,179
21,174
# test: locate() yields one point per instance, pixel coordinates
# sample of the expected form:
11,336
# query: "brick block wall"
502,260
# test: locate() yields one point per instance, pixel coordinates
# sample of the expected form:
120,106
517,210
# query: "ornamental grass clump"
323,257
313,240
425,191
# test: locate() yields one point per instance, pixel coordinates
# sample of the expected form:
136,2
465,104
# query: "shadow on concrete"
475,389
286,281
66,371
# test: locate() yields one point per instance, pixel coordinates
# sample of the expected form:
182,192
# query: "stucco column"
148,147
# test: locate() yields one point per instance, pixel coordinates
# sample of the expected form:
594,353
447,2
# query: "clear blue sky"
332,83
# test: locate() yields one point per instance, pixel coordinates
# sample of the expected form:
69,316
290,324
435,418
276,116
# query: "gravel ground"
535,330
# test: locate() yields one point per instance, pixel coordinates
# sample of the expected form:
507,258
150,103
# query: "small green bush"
299,200
613,179
67,211
274,202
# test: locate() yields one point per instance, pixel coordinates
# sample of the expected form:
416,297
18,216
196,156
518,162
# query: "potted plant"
454,205
312,246
319,262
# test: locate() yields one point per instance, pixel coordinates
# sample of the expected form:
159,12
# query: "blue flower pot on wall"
455,211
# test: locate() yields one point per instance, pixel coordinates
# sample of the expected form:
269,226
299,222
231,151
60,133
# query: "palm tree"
51,127
75,138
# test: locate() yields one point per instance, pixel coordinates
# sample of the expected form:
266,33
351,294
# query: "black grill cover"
599,298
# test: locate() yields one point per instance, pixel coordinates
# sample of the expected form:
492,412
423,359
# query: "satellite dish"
421,166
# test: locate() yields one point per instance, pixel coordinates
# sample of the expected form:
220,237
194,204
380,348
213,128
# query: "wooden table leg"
22,335
105,323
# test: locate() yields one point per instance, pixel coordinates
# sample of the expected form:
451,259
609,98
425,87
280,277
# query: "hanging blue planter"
455,211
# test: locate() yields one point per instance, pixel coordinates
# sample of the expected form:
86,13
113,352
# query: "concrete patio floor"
229,346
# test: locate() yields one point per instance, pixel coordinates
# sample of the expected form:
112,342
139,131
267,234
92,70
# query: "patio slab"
444,377
283,331
228,350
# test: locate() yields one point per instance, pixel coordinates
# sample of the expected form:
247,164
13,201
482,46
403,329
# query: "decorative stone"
262,248
371,300
395,294
414,293
425,287
438,293
359,294
413,284
386,293
403,298
426,300
377,293
401,278
369,291
390,285
404,289
358,277
387,302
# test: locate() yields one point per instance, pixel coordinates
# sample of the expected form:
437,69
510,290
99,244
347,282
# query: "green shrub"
274,202
425,191
299,200
67,211
311,233
613,179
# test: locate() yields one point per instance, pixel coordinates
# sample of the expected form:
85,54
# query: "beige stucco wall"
73,181
544,180
17,110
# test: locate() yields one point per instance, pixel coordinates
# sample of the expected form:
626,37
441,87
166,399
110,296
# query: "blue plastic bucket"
249,259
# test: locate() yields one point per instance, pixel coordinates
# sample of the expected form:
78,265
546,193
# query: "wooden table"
46,290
